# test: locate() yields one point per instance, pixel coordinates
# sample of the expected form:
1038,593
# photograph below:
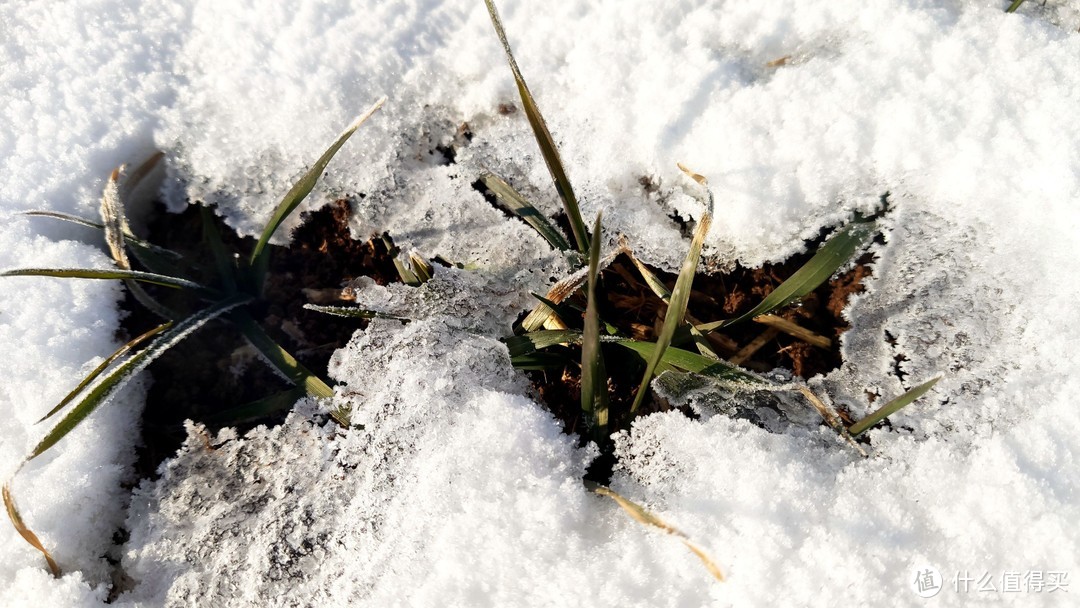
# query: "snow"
460,489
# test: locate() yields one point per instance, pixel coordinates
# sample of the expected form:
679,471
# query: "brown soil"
215,366
629,304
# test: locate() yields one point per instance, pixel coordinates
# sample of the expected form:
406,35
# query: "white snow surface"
459,489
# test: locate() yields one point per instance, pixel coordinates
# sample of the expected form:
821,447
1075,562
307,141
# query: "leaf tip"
697,177
25,532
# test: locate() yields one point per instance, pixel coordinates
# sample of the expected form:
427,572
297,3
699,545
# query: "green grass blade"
543,360
594,390
1015,5
25,532
95,273
655,284
149,302
226,263
353,312
120,352
100,392
520,207
131,240
286,363
299,192
891,407
539,340
543,138
834,254
260,408
680,295
685,360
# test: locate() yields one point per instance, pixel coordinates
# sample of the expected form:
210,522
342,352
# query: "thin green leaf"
131,240
149,302
548,360
286,363
655,284
680,296
121,374
25,532
891,407
543,138
834,254
225,262
539,340
689,361
354,312
594,390
521,208
260,408
120,352
95,273
299,192
1015,5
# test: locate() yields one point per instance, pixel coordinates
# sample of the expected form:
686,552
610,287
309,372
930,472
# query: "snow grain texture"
82,83
459,490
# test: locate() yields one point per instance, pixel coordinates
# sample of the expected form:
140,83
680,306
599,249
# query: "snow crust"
459,489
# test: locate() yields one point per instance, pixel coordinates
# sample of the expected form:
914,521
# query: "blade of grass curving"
661,291
101,273
643,516
226,264
520,207
691,362
260,408
594,390
25,532
834,254
547,360
121,374
131,240
655,284
149,302
285,363
680,295
1015,5
539,340
353,312
543,138
891,407
120,352
299,192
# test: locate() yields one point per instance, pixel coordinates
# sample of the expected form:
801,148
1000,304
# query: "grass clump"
236,286
547,339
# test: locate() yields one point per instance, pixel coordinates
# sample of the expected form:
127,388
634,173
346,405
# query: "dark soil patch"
629,304
215,367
